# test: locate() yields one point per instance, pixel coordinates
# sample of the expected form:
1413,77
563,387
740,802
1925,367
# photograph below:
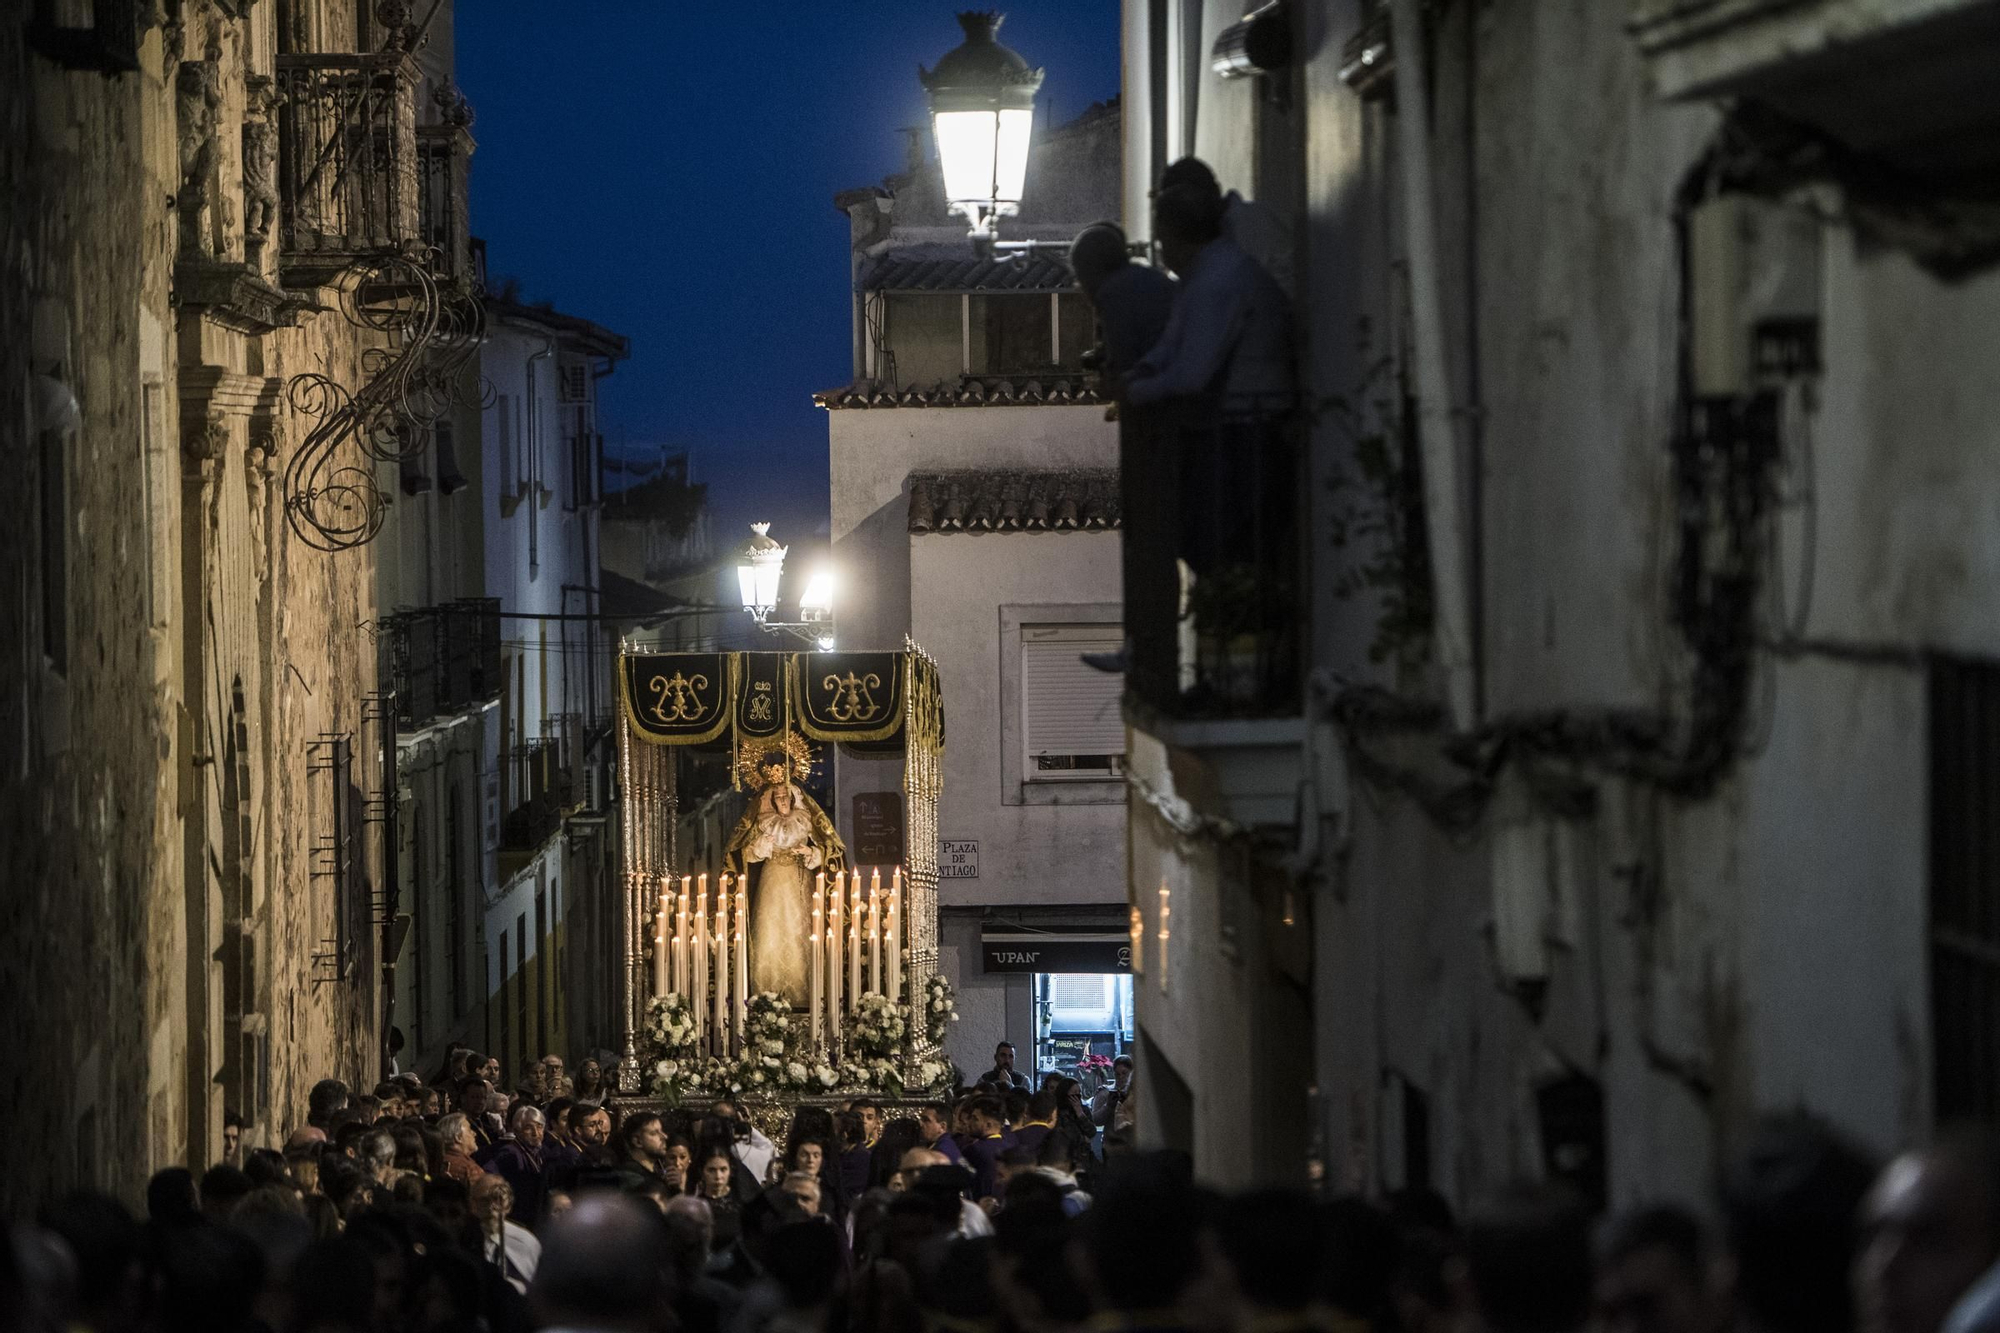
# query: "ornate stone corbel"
203,440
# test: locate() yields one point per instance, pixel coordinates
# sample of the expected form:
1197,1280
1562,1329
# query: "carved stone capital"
204,438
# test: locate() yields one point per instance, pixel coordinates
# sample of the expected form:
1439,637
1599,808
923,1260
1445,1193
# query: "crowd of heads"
459,1201
445,1205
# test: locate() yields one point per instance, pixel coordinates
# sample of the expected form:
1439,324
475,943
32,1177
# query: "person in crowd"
1112,1108
1002,1072
934,1130
519,1161
642,1146
509,1247
1057,1162
222,1188
753,1148
1141,1245
172,1198
1930,1237
803,1187
1228,340
1527,1254
589,1084
328,1096
858,1145
266,1166
985,1141
898,1137
459,1145
1037,1122
1655,1274
1790,1201
1132,302
430,1103
475,1096
701,1303
606,1266
376,1155
232,1138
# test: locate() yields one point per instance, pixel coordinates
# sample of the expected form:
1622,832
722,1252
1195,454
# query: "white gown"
781,904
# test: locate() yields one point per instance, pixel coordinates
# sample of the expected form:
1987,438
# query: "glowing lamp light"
817,602
757,577
982,98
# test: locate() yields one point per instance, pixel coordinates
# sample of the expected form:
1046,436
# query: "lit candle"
683,976
660,954
1166,911
854,946
818,958
722,1043
896,936
834,917
742,955
875,931
698,1002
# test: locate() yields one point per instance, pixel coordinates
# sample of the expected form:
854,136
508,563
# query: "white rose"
662,1069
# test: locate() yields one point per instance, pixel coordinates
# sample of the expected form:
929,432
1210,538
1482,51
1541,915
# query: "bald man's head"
604,1265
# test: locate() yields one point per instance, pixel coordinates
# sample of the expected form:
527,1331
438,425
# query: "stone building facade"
1637,780
201,290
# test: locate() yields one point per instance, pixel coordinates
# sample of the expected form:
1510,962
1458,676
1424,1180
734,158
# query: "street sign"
958,858
878,828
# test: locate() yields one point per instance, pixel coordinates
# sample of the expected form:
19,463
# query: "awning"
1019,951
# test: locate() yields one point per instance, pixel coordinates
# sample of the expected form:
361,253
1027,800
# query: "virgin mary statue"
789,839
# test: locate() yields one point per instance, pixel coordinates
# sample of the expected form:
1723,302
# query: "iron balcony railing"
347,161
443,659
1214,574
444,153
542,787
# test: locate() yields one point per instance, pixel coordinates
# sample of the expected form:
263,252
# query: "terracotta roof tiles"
1080,500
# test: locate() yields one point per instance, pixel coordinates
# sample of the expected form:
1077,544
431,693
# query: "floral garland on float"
878,1045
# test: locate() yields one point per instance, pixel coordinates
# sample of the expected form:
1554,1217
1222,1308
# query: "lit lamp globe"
982,99
763,565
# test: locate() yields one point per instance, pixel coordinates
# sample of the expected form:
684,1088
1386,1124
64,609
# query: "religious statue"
786,835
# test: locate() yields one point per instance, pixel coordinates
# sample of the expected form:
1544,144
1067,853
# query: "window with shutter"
573,382
1071,724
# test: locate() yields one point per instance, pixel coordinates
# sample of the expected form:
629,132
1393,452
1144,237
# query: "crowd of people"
426,1204
447,1207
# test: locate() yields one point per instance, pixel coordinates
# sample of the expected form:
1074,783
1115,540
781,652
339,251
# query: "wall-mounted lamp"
758,577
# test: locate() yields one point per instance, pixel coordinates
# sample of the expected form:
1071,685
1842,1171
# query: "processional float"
790,972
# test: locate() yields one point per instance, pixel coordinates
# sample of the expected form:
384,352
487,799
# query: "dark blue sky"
667,169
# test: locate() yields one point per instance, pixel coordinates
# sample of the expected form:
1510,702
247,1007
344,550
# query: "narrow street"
1280,666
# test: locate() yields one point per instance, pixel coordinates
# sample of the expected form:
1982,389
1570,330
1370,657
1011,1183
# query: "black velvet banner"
763,707
849,696
678,698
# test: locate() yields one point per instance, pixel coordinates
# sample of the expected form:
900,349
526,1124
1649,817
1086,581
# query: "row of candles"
856,947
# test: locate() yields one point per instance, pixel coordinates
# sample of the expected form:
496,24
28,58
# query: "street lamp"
982,99
757,578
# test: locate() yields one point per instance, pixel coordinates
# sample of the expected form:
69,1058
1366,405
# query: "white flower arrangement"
877,1027
670,1044
940,1007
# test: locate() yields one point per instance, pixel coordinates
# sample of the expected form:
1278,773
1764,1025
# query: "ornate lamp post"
982,98
757,578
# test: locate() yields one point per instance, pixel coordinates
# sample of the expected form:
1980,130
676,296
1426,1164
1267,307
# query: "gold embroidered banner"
763,701
849,696
678,698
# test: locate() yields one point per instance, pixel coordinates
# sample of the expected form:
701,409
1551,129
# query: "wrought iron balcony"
414,666
444,155
443,659
470,647
347,161
542,790
1213,566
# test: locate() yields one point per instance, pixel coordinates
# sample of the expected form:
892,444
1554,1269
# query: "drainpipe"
1444,503
535,456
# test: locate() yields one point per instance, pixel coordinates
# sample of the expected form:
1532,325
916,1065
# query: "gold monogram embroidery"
852,697
760,702
687,705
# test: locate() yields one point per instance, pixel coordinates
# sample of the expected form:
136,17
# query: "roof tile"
1079,500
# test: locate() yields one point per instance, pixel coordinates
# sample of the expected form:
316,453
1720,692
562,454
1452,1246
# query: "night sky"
668,169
